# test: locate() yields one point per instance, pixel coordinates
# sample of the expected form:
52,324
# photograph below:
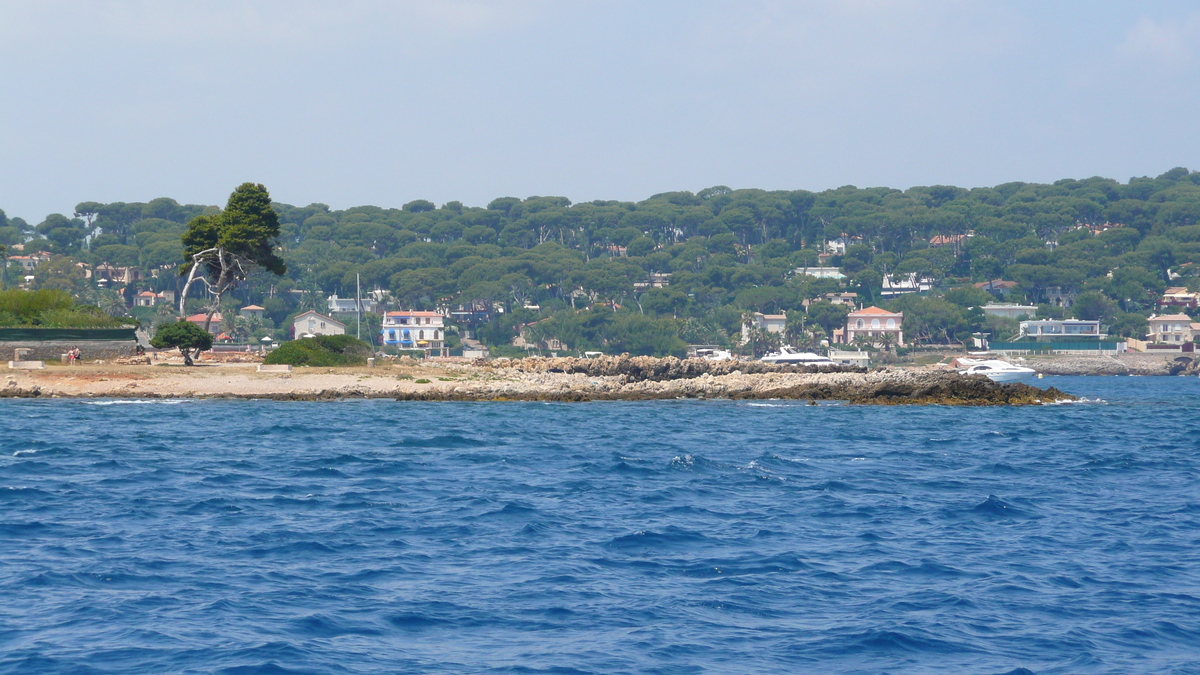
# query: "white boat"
996,370
714,354
787,356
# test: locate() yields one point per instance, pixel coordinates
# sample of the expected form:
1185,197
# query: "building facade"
415,330
1172,329
312,323
768,323
1062,330
1010,311
872,323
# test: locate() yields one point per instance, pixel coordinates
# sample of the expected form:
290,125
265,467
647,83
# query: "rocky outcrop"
889,386
642,368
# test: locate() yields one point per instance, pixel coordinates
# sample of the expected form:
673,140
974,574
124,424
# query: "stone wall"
53,351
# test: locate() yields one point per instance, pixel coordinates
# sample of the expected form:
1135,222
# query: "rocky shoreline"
532,379
644,378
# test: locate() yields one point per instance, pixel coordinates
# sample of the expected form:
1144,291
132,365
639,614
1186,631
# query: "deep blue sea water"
648,537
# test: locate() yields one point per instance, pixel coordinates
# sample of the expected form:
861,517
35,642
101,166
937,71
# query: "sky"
383,102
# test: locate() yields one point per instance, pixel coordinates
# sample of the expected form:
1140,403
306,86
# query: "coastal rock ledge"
645,378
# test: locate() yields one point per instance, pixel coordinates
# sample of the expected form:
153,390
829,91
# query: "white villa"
312,323
415,330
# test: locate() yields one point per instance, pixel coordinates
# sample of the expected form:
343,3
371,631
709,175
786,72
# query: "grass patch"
422,381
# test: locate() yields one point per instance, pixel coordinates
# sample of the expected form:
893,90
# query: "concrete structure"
820,272
26,365
1173,329
252,312
265,368
350,305
415,330
873,323
769,323
858,359
312,323
1010,311
900,284
1060,330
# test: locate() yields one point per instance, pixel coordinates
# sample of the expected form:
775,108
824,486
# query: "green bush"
323,350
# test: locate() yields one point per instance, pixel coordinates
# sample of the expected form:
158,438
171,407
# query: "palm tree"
887,341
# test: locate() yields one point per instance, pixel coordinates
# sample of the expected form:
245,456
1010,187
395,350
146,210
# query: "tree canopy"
716,253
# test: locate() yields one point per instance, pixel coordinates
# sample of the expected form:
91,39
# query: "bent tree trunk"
229,271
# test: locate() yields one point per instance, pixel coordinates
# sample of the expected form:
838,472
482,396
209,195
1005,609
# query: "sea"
248,537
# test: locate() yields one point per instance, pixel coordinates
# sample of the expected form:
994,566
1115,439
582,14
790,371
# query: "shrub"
51,309
323,350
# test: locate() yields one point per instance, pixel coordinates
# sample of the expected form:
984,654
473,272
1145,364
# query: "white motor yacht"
786,355
996,370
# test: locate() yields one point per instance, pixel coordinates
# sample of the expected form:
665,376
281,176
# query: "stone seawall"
53,350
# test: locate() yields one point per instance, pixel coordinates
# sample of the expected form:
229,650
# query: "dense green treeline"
726,251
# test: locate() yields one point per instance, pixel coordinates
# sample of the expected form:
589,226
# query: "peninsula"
530,379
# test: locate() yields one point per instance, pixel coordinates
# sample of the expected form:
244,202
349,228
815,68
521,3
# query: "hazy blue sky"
376,102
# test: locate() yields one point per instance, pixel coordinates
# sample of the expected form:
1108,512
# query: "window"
421,336
874,323
891,324
860,324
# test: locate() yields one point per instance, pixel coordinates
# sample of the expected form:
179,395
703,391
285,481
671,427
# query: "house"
820,272
768,323
838,246
311,323
1059,330
955,240
122,275
150,298
873,323
350,305
1060,297
1172,329
252,312
1010,311
30,262
415,330
847,298
214,326
997,287
899,284
1179,296
653,280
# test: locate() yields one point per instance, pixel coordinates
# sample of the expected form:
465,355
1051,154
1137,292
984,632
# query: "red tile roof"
874,311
